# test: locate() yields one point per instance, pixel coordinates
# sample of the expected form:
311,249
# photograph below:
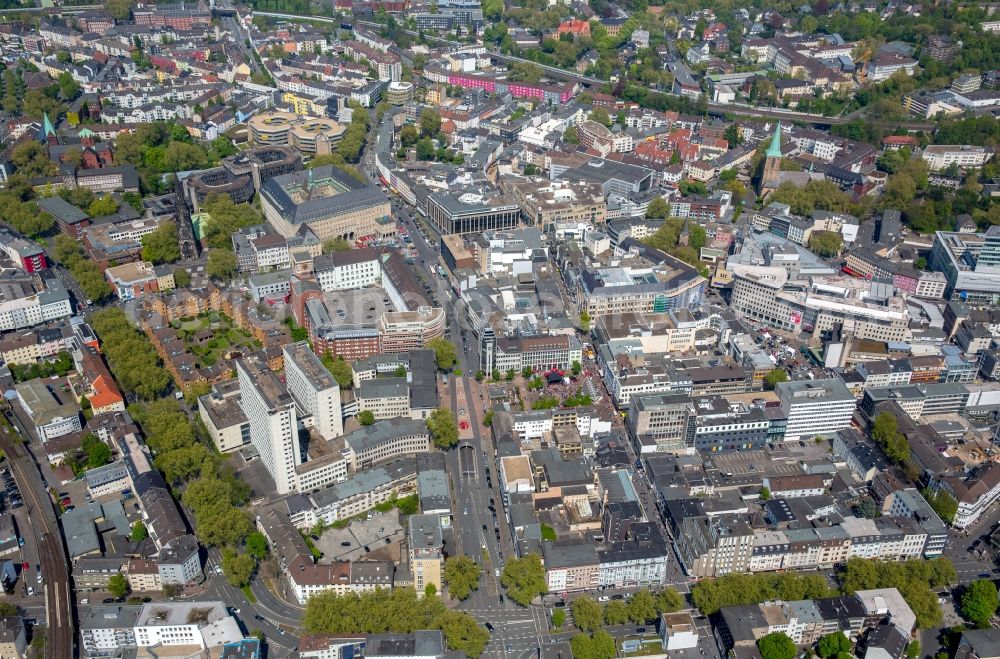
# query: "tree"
161,246
341,371
570,135
336,245
445,353
461,574
226,218
913,649
32,159
776,645
615,613
430,122
587,614
826,243
7,609
833,644
118,585
558,617
697,238
576,367
641,607
257,545
943,503
408,135
669,600
366,417
979,602
139,532
182,277
238,568
600,645
774,377
441,425
584,321
867,508
524,579
220,524
98,453
105,205
658,209
601,116
221,264
886,433
119,8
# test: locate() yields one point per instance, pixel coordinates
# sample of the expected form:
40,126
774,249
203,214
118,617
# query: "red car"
25,566
66,501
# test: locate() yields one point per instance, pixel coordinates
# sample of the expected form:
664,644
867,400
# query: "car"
258,618
501,599
109,600
640,630
496,572
345,543
510,648
31,591
603,598
984,575
67,501
484,527
560,604
69,509
85,600
489,627
25,566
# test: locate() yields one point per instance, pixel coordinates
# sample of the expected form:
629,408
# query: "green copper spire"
47,127
774,151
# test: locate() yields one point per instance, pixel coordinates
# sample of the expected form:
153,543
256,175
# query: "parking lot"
357,307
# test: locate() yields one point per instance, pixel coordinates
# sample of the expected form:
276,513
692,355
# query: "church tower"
48,132
772,164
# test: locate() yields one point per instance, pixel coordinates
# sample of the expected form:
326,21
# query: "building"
815,407
327,201
13,642
315,392
349,269
943,156
197,624
426,552
273,422
416,645
130,281
969,261
384,441
661,422
672,284
223,416
50,411
310,136
472,212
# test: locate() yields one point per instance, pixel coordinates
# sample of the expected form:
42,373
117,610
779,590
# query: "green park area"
212,335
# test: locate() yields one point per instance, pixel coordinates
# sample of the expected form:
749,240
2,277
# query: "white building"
200,624
270,410
942,156
315,392
355,268
815,407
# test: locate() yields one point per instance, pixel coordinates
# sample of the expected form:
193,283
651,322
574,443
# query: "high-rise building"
989,255
313,389
273,423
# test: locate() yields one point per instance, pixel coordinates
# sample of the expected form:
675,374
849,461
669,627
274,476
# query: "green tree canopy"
161,246
524,578
776,645
833,644
943,503
587,614
774,377
118,585
615,613
442,427
445,353
221,264
238,568
979,602
658,209
366,417
826,243
600,645
340,370
461,574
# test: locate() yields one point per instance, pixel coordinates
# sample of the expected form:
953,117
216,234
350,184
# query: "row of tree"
130,355
641,608
393,610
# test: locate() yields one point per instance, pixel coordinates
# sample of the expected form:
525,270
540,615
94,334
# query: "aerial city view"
528,329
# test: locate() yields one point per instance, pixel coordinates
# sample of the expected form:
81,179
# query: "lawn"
548,533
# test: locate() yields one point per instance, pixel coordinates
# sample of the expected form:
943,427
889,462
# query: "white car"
496,572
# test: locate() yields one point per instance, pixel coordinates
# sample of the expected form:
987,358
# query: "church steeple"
772,164
48,132
774,151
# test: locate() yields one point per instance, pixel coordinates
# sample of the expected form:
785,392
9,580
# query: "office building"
815,407
315,392
270,411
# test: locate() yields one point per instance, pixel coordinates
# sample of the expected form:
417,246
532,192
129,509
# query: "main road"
47,537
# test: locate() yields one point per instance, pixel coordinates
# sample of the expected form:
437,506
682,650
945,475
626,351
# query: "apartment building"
963,156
